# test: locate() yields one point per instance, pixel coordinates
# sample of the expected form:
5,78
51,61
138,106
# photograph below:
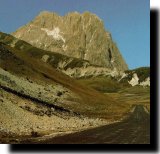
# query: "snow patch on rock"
112,61
123,76
114,73
55,33
64,47
134,80
146,82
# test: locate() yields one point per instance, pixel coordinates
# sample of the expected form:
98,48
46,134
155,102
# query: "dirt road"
133,130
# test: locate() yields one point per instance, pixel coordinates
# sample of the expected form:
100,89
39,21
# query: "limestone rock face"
76,35
139,76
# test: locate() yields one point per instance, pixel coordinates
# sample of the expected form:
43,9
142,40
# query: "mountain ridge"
77,35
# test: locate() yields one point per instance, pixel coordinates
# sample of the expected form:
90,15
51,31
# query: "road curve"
135,129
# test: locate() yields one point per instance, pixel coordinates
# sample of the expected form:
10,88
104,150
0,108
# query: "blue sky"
127,20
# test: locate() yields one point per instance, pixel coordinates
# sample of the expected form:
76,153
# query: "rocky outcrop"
76,35
139,76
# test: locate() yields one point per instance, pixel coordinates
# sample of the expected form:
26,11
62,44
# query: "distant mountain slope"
111,84
77,35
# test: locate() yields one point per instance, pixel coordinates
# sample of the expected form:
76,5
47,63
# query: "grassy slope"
123,93
91,102
102,84
134,95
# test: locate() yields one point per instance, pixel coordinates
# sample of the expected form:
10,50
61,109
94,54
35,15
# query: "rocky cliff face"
76,35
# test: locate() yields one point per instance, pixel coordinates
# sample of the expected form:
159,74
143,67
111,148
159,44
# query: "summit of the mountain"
76,35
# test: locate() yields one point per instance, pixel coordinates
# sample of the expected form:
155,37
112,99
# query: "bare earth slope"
36,98
133,130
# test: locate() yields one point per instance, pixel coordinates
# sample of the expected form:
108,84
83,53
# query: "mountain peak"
79,35
85,14
42,13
